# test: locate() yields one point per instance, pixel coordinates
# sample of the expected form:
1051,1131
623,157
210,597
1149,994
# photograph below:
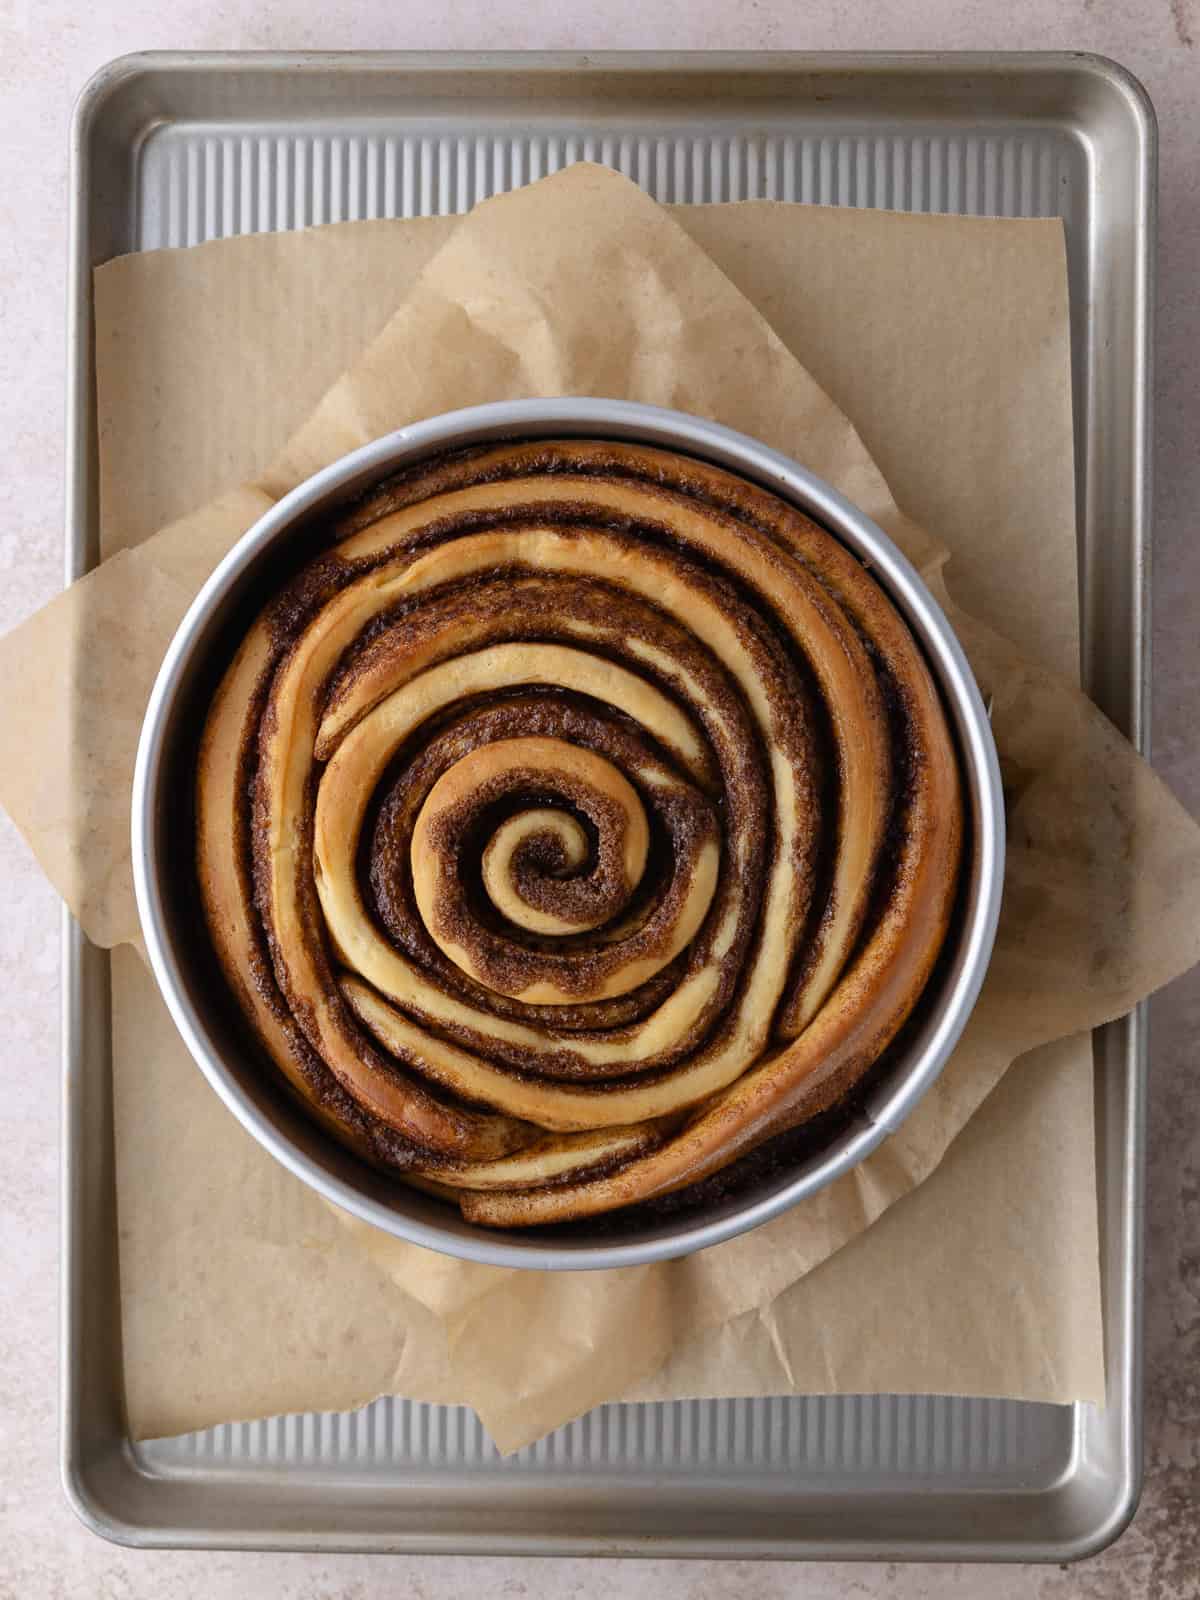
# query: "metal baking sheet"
175,149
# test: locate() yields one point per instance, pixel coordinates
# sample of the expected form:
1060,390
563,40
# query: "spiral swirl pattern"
581,818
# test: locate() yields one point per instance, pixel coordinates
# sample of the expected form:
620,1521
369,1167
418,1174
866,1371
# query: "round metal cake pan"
173,927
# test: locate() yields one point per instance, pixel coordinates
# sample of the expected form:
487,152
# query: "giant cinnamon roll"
583,817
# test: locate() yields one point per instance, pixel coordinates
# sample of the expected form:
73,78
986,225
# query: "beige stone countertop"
48,49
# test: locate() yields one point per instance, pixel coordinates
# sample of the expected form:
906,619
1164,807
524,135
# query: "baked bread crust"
582,818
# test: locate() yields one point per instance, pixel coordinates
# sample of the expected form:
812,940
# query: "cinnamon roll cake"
581,818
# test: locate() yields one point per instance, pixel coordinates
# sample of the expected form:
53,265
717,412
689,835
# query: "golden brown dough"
582,818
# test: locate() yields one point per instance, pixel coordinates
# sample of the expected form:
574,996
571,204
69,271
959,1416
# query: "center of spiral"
527,854
542,870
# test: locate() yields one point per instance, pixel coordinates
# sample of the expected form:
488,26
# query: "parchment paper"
949,339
